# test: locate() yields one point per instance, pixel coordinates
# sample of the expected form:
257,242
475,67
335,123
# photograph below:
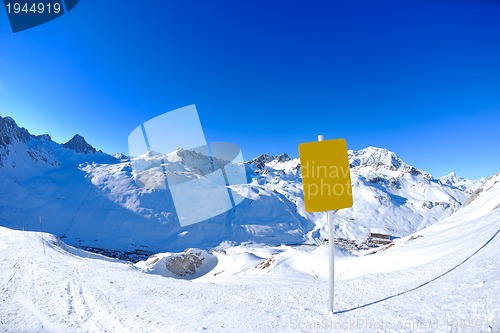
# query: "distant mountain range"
89,198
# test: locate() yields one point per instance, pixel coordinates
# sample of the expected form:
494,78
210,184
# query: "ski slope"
442,278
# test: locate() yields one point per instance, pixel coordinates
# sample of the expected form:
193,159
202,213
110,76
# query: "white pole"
330,219
331,254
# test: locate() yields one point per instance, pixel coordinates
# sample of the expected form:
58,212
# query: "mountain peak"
460,182
9,131
261,160
451,178
376,157
78,144
121,157
282,158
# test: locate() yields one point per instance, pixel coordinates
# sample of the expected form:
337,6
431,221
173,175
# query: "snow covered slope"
443,278
90,199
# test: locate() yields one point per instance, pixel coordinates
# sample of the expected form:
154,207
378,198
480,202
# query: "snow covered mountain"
443,278
466,185
78,144
390,196
89,198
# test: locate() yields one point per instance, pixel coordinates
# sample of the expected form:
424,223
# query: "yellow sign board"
326,175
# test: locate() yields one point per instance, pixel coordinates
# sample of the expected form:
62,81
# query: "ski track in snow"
430,284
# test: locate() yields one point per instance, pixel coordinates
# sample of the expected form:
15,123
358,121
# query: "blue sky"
421,78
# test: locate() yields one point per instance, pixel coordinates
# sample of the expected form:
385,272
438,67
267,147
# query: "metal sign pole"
331,254
331,245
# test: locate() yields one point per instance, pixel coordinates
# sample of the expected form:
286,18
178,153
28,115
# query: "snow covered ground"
442,278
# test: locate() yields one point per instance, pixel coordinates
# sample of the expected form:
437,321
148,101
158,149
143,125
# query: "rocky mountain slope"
89,198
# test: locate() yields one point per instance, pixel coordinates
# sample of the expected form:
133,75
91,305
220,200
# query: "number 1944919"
34,8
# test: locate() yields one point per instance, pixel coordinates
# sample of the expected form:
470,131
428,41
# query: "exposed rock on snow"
261,160
9,132
186,263
190,264
266,263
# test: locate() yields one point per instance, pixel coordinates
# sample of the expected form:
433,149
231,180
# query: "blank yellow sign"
326,175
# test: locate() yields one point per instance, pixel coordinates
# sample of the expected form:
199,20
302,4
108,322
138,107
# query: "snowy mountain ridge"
89,198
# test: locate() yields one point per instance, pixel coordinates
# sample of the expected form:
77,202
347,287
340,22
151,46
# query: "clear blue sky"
419,77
